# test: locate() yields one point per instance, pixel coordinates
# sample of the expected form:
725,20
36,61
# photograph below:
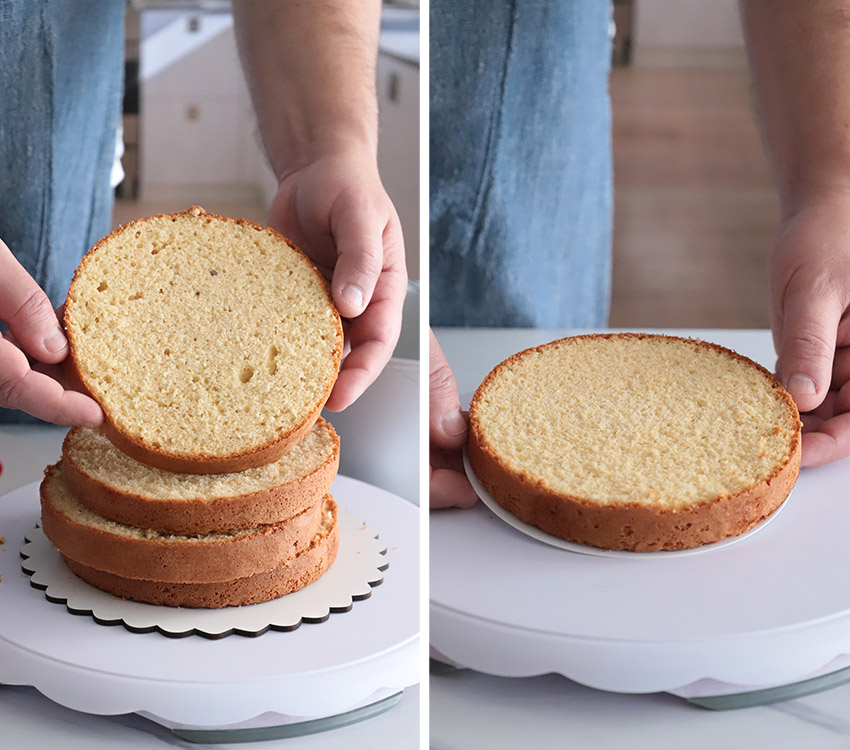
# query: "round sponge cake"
307,566
124,490
82,535
635,442
210,343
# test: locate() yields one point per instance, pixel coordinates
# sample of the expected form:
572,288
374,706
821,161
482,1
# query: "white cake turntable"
761,620
342,661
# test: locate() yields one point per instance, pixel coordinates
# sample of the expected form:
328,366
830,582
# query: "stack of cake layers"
193,540
211,344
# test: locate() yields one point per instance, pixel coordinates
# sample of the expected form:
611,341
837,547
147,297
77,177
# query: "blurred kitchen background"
695,208
190,135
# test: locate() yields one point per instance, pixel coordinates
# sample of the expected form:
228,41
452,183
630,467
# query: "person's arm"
34,332
449,486
800,57
310,65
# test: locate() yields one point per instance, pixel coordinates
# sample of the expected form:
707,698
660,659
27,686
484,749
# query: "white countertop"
29,721
472,710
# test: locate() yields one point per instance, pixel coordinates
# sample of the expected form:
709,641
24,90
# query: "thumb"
358,235
448,426
807,342
28,312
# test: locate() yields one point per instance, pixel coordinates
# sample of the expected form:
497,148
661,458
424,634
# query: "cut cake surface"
633,441
210,343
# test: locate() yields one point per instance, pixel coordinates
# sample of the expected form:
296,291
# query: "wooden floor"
695,208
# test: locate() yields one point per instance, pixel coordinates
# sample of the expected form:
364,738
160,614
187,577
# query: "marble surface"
29,721
470,710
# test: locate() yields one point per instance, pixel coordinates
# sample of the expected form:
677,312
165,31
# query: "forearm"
799,54
310,66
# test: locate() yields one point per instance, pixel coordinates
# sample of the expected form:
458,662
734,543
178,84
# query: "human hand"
337,211
447,429
810,294
35,333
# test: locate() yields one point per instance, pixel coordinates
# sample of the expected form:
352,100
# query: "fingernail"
454,423
55,341
352,295
802,385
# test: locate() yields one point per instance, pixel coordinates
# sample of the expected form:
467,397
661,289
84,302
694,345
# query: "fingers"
34,327
359,370
448,426
841,366
808,338
369,285
360,234
451,489
372,337
826,441
39,395
28,312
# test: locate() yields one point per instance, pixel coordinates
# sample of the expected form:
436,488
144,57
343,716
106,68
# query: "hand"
810,293
448,429
35,331
336,210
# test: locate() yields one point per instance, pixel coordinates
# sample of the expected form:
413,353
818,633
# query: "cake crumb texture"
203,337
637,420
633,441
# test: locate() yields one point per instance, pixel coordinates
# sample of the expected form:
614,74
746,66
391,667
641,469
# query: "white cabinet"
398,146
197,132
196,123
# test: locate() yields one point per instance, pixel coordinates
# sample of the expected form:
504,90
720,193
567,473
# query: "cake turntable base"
762,620
320,676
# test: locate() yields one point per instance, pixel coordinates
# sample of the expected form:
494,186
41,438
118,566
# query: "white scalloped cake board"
770,610
315,670
357,569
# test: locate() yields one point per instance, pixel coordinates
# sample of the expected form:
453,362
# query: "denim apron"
61,86
521,176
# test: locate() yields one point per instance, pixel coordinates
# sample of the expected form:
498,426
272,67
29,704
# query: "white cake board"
585,549
358,568
770,610
314,671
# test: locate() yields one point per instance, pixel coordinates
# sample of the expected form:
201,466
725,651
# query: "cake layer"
636,442
90,539
210,343
306,567
120,488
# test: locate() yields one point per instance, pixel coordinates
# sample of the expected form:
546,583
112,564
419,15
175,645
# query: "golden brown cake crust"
206,464
205,516
631,526
260,455
308,566
178,560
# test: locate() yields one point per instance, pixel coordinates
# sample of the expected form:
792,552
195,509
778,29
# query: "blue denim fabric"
521,177
61,85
